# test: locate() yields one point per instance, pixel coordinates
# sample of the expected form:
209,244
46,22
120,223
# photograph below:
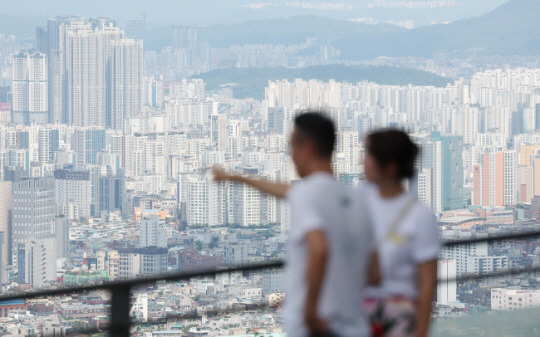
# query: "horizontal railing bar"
151,279
524,235
500,273
211,272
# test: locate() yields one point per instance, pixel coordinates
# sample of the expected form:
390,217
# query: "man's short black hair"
393,146
319,129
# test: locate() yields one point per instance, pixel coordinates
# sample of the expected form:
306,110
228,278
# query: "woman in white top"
407,239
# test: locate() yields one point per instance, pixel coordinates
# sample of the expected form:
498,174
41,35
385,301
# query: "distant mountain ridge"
511,29
294,30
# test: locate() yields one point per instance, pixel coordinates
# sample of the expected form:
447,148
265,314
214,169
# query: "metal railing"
121,290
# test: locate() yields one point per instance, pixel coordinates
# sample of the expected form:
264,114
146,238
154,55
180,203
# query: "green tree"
213,243
78,326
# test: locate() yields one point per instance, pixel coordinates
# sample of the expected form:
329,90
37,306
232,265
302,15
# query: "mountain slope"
511,29
250,82
291,31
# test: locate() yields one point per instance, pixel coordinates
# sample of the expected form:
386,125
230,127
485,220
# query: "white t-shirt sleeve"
304,205
426,242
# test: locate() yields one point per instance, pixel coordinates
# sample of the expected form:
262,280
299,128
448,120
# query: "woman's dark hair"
393,146
319,129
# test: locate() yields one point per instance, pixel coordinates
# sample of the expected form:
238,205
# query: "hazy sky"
228,11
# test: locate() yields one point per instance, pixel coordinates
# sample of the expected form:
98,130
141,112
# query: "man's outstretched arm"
276,189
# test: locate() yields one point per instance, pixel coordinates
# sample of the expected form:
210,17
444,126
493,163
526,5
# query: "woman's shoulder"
423,215
424,226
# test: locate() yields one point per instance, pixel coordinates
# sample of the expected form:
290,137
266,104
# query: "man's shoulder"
365,189
317,182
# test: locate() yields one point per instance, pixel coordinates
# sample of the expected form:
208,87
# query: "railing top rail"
510,236
152,279
240,268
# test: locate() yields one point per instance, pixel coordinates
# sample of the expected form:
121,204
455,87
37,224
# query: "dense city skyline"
106,150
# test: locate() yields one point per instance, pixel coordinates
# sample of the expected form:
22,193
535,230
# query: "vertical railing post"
120,305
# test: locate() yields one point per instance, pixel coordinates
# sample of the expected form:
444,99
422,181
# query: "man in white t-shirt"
331,244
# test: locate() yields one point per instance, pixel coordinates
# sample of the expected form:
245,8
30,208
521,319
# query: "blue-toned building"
86,144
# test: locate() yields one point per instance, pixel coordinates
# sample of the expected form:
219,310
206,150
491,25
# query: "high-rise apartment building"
244,204
6,209
153,92
36,261
205,200
424,188
30,88
447,288
125,83
34,211
152,233
442,155
275,119
219,131
85,48
526,153
48,144
48,41
73,188
348,145
86,143
495,180
95,76
525,184
112,190
537,117
61,234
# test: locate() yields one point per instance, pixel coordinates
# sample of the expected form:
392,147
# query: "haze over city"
112,115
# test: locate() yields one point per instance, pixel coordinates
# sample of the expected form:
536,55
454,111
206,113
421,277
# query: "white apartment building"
244,205
473,258
136,262
447,287
152,233
73,188
514,299
126,82
424,188
6,207
33,211
30,88
206,201
85,49
480,265
36,261
348,145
